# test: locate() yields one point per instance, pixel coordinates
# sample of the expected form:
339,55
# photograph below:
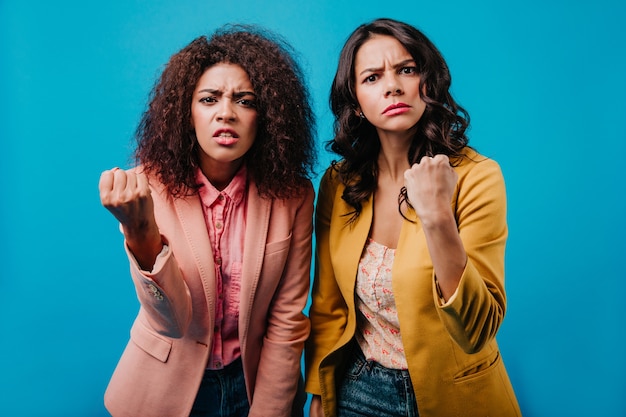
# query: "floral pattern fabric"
378,332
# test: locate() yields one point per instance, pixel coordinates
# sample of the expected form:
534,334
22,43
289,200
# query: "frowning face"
224,115
387,85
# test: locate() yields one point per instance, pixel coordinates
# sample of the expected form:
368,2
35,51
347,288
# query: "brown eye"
247,103
370,79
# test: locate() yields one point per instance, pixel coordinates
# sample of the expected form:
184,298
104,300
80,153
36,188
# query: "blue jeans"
222,393
369,389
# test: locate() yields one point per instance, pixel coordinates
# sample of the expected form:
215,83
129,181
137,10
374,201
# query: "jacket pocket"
150,342
278,246
355,368
478,369
274,261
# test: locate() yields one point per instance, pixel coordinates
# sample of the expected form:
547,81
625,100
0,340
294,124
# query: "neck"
220,175
393,157
392,168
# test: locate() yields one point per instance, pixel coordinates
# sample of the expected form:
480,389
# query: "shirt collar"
235,190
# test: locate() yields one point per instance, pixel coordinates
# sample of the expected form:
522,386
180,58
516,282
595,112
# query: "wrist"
145,248
437,219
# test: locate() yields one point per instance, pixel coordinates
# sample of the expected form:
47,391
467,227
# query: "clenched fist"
430,186
126,195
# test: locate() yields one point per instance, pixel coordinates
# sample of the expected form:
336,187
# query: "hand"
430,187
126,195
316,407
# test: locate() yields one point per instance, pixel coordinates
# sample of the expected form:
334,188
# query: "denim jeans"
222,393
369,389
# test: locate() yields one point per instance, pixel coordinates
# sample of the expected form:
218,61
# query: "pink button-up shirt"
225,216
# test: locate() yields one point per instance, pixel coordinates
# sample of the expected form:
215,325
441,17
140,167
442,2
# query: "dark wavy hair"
441,129
282,157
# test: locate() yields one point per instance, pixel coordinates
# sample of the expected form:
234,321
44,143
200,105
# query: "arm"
430,186
474,315
287,325
474,290
127,196
161,289
316,409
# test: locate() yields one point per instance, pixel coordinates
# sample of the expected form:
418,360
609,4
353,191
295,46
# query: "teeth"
225,135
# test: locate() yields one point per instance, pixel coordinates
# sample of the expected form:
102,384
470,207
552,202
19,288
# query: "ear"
359,113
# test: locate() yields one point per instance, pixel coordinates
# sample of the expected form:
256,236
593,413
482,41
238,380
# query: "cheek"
252,124
193,117
200,120
413,89
363,100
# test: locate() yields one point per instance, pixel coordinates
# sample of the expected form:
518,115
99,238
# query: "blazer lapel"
257,225
348,246
191,217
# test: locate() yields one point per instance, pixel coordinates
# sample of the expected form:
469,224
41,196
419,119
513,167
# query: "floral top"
378,332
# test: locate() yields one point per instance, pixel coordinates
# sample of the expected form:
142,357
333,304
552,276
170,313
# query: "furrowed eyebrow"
369,70
211,91
241,94
398,65
220,93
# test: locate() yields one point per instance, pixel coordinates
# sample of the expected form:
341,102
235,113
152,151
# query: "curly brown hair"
282,157
441,129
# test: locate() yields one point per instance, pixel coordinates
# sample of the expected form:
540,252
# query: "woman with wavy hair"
217,224
408,291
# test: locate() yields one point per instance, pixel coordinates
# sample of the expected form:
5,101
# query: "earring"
361,115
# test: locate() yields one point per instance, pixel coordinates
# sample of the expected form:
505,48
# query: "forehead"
225,76
379,50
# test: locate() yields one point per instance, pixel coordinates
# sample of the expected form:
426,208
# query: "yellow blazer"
453,358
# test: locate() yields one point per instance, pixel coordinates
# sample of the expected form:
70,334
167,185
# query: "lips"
225,136
396,108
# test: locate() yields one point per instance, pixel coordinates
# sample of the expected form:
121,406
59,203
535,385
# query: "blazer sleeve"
162,292
474,314
328,311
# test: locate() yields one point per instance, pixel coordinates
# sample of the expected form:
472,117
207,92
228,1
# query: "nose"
393,87
226,110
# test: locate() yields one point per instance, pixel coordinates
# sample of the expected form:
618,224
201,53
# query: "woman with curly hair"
217,223
408,291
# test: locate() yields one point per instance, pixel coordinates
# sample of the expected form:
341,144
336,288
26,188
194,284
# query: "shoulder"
303,196
307,194
480,182
330,181
473,164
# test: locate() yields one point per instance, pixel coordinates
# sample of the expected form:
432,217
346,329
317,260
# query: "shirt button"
218,225
221,197
218,260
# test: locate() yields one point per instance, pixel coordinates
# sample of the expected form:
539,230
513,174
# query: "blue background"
544,82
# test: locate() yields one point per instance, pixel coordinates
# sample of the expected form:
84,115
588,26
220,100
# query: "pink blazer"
161,368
